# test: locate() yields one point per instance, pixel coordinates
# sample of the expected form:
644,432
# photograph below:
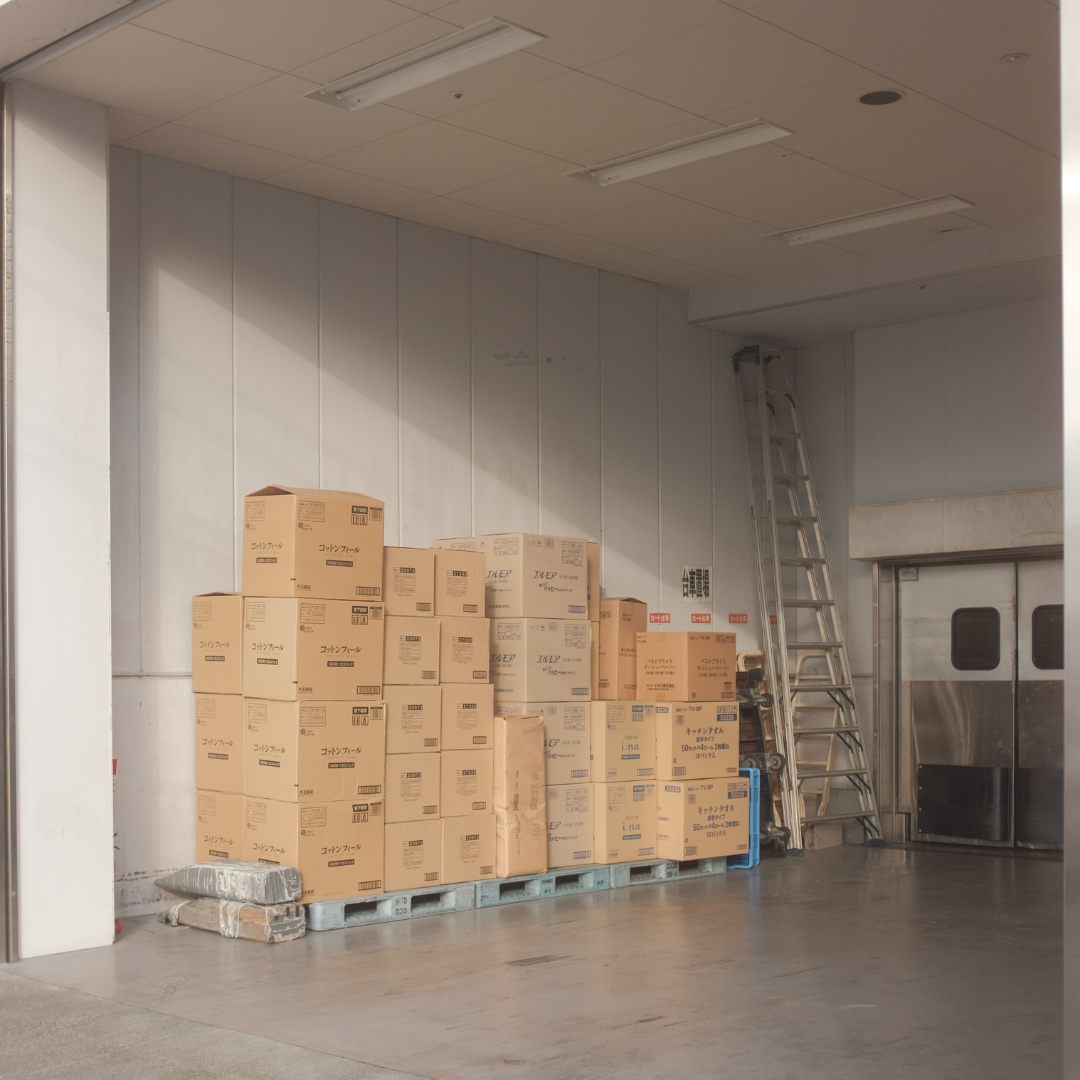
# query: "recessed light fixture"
671,155
459,51
1015,57
874,219
881,97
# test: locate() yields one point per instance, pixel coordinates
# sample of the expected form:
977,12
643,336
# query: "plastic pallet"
642,873
753,856
390,907
558,882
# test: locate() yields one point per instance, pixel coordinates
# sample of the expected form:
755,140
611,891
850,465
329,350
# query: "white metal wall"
263,336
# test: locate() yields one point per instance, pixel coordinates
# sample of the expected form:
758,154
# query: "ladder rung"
828,774
849,816
794,519
824,730
780,436
797,561
820,688
815,644
807,603
785,477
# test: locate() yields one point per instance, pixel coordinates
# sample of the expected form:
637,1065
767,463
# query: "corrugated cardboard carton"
566,738
594,660
623,737
317,751
468,848
520,796
696,740
531,576
459,582
592,557
412,651
680,665
328,650
540,660
466,786
463,652
313,544
624,822
570,825
217,643
409,581
413,854
622,618
219,742
702,819
467,714
336,846
219,825
413,719
412,786
520,843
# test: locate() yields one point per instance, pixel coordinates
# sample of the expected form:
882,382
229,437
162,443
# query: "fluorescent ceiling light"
459,51
671,155
875,219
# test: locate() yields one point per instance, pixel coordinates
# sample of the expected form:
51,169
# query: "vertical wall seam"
319,327
472,400
397,343
712,474
235,462
539,411
600,372
139,406
659,462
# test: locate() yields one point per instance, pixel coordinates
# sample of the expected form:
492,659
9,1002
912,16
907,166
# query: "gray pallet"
558,882
650,870
390,907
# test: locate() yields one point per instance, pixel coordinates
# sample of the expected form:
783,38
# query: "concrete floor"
851,962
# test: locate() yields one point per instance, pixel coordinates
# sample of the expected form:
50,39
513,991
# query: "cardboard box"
326,650
336,846
468,848
412,651
570,825
680,665
219,825
624,821
623,738
463,650
592,576
217,643
566,738
594,660
466,787
459,583
520,842
518,763
413,719
702,819
467,715
413,854
531,576
317,751
412,786
313,544
219,742
696,740
409,581
540,660
622,618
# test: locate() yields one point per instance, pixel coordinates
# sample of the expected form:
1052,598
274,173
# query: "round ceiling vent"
881,97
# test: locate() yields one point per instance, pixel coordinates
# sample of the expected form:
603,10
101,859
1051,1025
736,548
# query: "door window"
1048,637
976,639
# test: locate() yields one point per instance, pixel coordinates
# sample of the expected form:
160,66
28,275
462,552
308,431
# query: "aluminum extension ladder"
815,718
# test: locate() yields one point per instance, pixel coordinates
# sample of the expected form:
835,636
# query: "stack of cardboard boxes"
541,665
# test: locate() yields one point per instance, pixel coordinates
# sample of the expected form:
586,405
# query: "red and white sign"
736,618
700,617
659,616
772,620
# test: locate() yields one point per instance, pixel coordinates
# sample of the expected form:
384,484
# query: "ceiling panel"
142,72
794,191
462,218
721,65
969,75
277,116
278,33
546,194
907,232
345,187
563,116
212,152
437,158
125,125
581,32
869,33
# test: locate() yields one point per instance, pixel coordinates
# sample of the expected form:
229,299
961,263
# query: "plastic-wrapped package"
234,879
268,923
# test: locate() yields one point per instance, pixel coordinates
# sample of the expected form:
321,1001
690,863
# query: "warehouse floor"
850,962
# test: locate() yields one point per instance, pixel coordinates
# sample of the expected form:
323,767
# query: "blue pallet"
753,855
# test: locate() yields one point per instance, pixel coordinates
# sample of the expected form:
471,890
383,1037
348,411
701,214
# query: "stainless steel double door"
982,687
